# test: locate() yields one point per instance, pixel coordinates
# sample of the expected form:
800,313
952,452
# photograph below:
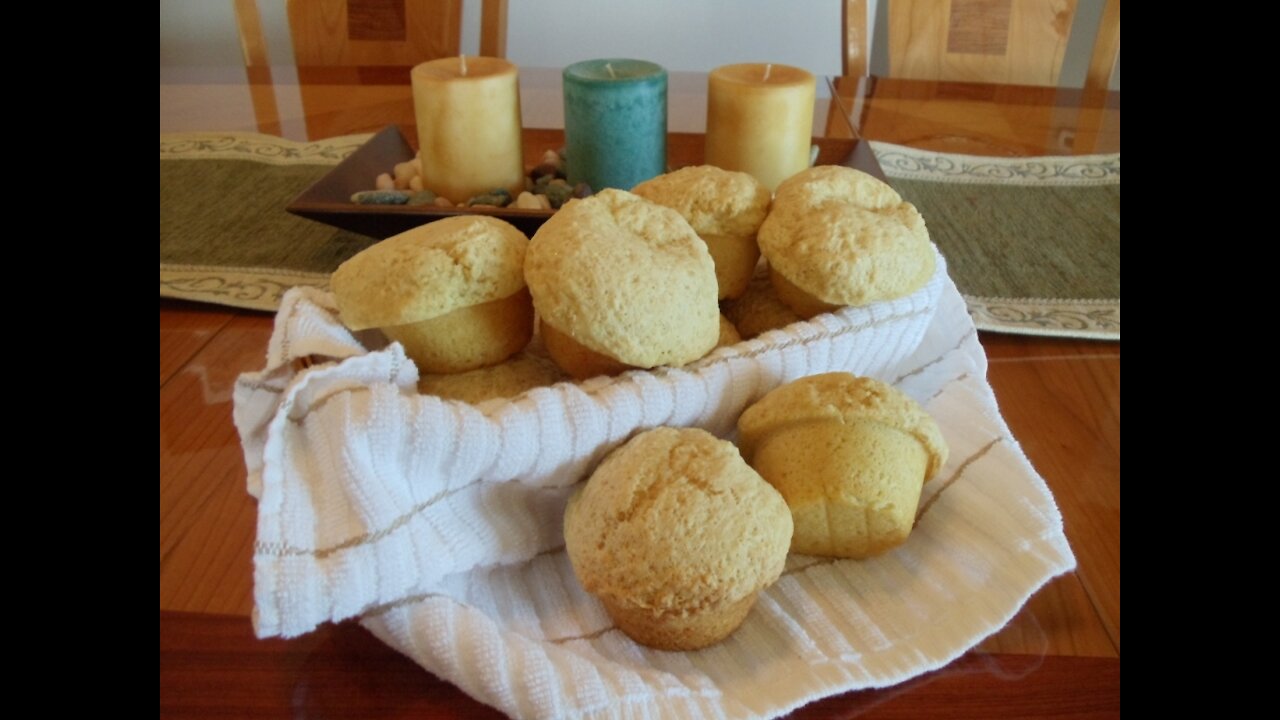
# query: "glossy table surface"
1059,656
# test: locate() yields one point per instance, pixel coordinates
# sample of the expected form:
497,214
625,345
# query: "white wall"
198,33
678,34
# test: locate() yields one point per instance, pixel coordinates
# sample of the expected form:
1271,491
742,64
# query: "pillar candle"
760,120
615,122
468,114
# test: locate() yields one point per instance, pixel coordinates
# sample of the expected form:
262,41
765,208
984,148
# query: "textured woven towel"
439,523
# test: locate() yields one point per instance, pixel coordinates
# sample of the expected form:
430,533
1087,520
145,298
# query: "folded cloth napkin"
439,523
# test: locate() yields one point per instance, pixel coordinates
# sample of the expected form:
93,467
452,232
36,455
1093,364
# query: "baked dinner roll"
725,208
759,309
621,283
837,236
518,373
676,535
728,333
849,454
452,292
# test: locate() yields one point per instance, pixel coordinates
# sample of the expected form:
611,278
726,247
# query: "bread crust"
725,208
845,238
429,271
676,534
625,278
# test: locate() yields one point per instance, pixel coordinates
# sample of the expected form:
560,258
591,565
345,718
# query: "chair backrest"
372,32
1020,42
355,33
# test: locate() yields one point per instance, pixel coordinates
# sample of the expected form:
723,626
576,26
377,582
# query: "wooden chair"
1012,42
349,34
1000,42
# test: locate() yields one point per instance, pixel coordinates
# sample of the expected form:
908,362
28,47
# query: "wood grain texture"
1106,48
253,43
1058,620
185,328
854,38
493,28
344,109
212,666
981,119
1064,408
1030,53
376,20
978,26
207,517
1097,127
262,93
322,32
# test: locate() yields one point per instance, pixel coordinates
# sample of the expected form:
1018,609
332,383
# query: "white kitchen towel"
440,523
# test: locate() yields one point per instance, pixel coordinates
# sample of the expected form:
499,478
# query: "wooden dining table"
1059,656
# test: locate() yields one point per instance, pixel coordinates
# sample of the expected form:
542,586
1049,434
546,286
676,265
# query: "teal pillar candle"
615,122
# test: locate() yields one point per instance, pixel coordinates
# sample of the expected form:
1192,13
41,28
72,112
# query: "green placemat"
224,235
1032,243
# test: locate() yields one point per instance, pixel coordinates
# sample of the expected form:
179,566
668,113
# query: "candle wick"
609,67
767,69
463,60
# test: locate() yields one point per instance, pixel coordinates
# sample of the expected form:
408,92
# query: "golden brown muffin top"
674,521
835,184
846,238
844,398
626,278
714,201
429,271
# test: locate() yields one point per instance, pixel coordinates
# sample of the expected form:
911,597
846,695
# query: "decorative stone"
544,201
558,193
380,197
528,201
443,202
552,158
545,170
488,199
422,197
403,173
384,182
498,197
415,184
582,190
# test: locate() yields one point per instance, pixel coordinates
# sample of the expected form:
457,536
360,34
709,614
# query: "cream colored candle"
468,113
760,120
